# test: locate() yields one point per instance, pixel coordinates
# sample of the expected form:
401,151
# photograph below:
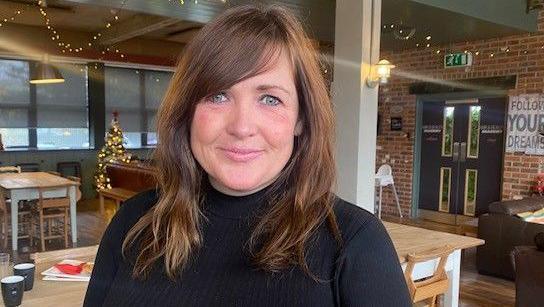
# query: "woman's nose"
242,119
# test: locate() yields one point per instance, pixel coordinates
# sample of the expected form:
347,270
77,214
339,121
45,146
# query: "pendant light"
45,73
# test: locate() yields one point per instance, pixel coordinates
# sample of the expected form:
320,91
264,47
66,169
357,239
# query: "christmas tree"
112,151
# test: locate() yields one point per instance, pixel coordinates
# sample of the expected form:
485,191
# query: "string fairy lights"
14,15
93,43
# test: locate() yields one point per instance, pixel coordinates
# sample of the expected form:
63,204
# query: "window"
447,132
136,95
474,132
44,116
14,103
62,118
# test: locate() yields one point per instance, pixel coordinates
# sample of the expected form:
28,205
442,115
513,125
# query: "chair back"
431,286
53,202
384,176
10,169
385,170
54,173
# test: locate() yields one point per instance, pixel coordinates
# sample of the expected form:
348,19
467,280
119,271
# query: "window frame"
91,119
32,107
142,110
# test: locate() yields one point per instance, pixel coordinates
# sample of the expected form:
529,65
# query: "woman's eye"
270,100
218,98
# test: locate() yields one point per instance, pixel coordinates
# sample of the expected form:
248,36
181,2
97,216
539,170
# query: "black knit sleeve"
105,266
109,254
368,272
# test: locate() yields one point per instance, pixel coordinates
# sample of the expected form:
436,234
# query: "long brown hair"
235,46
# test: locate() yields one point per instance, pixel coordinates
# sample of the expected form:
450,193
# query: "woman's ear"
298,128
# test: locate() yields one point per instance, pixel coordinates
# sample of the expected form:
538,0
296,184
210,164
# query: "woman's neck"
226,190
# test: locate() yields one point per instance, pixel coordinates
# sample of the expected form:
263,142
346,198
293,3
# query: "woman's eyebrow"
265,87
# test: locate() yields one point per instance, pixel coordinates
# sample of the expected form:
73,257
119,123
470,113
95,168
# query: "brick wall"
521,55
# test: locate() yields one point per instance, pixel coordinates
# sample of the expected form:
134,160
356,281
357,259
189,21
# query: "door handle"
455,155
463,152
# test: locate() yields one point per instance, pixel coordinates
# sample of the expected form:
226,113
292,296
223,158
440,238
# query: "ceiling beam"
135,26
317,15
510,13
201,12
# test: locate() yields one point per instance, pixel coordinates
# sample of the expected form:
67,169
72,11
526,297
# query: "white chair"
384,177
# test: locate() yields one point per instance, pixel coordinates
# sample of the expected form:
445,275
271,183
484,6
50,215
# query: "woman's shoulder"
352,219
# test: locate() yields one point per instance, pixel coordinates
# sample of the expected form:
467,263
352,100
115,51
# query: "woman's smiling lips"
238,154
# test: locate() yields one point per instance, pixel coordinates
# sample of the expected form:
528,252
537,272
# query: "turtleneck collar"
234,207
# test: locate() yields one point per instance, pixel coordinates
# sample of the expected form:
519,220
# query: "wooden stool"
49,209
430,287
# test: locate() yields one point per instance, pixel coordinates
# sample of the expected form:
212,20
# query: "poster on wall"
525,124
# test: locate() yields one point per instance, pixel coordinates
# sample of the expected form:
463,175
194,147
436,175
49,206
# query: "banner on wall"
525,124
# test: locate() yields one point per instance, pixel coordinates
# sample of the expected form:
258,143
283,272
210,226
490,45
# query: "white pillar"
357,44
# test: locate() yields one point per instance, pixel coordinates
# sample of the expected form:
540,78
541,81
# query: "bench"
126,180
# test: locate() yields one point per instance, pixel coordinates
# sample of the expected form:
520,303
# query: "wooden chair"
50,209
24,221
29,167
4,221
427,289
10,169
69,168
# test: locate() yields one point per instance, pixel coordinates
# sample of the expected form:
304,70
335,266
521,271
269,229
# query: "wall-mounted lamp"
379,73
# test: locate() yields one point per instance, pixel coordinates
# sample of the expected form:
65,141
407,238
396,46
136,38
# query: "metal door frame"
420,99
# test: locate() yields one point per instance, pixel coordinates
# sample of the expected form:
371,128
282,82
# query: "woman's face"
243,136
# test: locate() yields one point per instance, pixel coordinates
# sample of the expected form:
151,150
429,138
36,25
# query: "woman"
244,214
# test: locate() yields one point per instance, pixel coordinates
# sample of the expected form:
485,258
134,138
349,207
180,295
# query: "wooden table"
24,186
47,293
408,239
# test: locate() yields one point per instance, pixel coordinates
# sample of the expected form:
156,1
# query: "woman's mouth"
238,154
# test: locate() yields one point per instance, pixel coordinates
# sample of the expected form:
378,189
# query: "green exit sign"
458,59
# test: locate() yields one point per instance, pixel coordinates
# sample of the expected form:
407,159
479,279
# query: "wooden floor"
476,289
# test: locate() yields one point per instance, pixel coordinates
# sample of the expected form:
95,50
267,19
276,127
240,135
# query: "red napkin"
69,269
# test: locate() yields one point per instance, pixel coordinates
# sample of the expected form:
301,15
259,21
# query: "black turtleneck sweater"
364,272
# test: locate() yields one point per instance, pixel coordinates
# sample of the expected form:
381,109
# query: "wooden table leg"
451,297
73,212
14,218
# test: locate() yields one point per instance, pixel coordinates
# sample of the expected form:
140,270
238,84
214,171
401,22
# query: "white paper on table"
54,272
53,278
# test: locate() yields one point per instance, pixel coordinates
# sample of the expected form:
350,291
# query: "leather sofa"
127,180
502,230
136,177
529,264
